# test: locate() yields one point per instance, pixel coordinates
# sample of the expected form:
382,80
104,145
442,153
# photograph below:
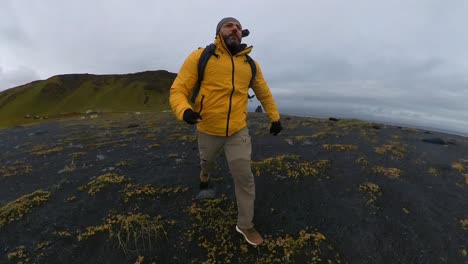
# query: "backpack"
205,56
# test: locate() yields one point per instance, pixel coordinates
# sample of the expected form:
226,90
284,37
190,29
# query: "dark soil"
388,194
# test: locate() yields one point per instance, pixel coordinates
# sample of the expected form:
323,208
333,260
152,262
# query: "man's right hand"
191,117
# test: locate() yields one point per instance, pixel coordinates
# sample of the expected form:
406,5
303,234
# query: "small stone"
206,194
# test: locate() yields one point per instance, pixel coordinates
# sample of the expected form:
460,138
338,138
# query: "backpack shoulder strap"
254,72
204,57
253,67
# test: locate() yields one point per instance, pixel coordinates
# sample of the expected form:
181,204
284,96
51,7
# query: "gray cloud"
398,59
17,76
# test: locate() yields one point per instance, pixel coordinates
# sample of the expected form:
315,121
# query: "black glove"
275,128
191,117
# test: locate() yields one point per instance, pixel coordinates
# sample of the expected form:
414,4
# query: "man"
220,112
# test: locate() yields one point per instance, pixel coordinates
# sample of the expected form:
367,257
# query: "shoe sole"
246,239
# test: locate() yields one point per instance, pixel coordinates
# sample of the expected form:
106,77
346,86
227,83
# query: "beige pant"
238,150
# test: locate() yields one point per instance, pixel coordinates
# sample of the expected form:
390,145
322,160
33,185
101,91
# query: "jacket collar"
220,44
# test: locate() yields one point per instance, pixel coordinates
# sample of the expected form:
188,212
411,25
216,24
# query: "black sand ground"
334,192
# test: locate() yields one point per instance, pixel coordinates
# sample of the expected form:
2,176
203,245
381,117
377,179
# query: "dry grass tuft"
132,232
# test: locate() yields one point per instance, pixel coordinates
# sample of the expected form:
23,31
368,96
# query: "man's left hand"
275,128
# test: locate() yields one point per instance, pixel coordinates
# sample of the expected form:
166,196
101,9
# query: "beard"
233,43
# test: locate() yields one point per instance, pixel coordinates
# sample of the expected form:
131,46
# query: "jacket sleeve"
183,84
263,93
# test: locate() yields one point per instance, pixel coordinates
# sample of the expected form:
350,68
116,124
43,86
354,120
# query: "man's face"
231,33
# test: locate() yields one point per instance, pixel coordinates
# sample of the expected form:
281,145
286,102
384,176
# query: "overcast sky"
395,61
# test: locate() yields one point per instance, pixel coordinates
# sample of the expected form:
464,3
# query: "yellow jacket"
222,100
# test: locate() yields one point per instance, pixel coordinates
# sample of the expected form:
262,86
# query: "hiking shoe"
251,236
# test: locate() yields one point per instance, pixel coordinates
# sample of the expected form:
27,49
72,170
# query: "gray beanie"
225,20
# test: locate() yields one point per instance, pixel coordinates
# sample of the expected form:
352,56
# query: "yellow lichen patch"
102,182
372,191
433,171
191,138
153,146
138,191
42,245
463,252
353,123
466,178
286,249
395,149
339,147
20,254
63,234
326,133
290,166
15,210
301,138
464,224
132,232
362,162
173,155
182,137
76,155
213,227
128,133
214,217
392,173
150,136
123,163
113,143
40,150
17,168
458,166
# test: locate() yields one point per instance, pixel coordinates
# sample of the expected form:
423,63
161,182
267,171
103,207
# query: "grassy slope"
76,93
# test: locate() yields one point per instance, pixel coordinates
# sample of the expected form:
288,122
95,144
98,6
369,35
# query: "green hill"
70,94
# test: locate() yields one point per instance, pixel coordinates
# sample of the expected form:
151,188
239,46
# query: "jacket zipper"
230,98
